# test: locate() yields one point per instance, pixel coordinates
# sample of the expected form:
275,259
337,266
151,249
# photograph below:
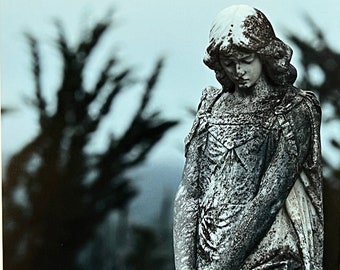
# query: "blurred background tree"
56,192
321,72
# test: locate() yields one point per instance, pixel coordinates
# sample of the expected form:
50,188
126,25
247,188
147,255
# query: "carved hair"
247,29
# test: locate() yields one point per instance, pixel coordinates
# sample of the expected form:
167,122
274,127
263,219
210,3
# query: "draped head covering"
241,27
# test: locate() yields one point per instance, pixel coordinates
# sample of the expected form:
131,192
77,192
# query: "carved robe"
250,197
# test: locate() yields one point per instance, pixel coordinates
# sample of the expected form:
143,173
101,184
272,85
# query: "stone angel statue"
250,197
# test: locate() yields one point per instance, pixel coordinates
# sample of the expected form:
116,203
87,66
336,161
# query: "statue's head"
241,29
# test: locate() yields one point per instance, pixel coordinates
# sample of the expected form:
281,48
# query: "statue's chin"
245,87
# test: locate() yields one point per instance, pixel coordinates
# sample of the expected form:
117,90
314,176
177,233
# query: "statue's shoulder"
299,116
298,101
209,96
211,91
299,113
312,107
311,99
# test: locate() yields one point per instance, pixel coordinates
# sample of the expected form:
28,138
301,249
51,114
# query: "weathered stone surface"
250,197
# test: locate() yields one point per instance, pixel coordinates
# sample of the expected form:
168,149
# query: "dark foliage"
133,246
318,54
6,110
152,248
56,192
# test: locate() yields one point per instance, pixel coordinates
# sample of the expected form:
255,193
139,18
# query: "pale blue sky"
145,30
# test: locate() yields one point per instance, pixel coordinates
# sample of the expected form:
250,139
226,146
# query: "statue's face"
243,69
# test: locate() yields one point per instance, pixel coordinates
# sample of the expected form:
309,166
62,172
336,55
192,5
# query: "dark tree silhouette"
56,192
318,54
151,247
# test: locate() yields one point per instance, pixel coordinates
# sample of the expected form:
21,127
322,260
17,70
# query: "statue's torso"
238,149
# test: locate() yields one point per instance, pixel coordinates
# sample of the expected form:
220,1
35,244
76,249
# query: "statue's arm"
275,186
186,206
185,214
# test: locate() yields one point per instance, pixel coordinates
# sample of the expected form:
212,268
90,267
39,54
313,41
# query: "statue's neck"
261,91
